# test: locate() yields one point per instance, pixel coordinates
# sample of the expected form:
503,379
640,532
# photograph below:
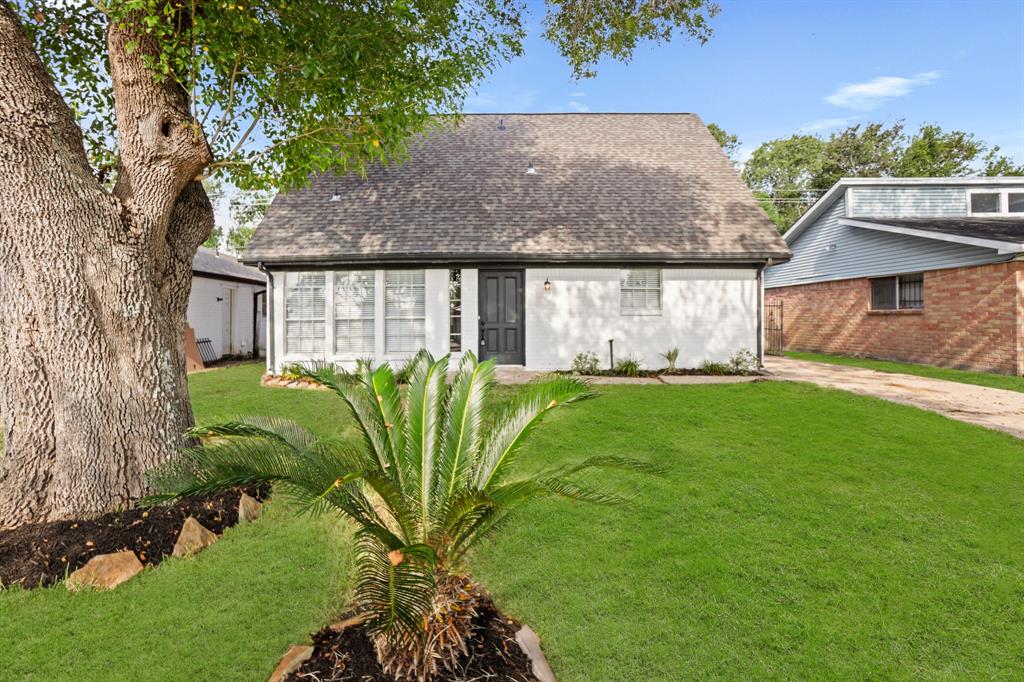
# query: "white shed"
227,304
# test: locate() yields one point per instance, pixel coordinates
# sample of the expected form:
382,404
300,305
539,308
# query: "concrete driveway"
992,407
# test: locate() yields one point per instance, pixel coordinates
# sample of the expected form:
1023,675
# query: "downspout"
760,312
271,365
255,323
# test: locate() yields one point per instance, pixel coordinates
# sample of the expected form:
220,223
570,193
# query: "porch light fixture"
547,284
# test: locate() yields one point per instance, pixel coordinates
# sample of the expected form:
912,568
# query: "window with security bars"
305,311
455,310
353,312
404,310
640,292
903,292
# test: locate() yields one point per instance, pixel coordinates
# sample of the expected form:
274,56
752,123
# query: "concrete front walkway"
992,407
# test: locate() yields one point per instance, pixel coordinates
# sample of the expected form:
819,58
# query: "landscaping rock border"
193,538
277,381
44,554
105,572
529,642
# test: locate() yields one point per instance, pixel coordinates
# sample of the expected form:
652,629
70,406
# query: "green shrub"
298,370
715,368
433,475
671,355
628,367
586,363
744,362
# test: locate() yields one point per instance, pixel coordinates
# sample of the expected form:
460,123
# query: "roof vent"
336,196
501,124
530,170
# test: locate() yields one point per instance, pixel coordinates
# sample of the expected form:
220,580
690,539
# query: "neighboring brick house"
527,238
925,270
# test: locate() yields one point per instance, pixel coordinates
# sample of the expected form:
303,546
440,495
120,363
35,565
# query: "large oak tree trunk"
94,285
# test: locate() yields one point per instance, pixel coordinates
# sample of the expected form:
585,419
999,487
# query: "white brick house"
526,238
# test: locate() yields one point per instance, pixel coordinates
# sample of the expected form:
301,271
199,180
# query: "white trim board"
1000,246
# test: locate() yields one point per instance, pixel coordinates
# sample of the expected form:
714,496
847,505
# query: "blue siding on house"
861,252
907,202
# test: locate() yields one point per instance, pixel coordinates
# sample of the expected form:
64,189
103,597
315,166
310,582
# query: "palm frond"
463,424
396,583
426,398
519,418
388,401
362,403
285,431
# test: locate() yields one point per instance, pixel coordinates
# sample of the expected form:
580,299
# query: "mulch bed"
42,554
349,656
655,373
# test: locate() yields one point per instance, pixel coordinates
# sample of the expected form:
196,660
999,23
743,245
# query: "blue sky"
775,68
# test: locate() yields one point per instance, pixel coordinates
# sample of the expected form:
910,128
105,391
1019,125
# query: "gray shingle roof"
998,229
210,262
607,187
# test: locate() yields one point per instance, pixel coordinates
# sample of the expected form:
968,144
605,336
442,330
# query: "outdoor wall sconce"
547,284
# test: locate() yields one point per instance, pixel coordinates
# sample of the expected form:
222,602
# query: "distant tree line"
789,174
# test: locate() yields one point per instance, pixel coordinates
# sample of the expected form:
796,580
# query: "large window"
904,292
996,202
1015,202
305,308
455,310
404,310
353,312
640,292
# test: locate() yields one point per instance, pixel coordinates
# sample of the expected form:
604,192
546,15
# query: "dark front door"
501,316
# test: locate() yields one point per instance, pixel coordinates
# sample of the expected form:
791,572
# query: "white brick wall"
709,313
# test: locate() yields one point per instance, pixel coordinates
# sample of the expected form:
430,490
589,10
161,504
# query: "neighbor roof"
606,187
222,266
837,190
1006,234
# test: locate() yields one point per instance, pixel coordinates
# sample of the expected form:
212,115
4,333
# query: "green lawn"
1010,383
800,533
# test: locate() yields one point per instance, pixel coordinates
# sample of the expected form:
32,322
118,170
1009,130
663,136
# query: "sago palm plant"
434,474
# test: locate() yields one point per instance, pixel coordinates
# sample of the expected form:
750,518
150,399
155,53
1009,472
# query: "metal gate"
774,339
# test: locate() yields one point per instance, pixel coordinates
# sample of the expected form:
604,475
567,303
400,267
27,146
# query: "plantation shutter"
353,312
305,310
404,310
640,292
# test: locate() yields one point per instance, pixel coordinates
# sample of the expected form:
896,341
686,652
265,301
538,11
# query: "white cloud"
823,124
873,93
577,95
